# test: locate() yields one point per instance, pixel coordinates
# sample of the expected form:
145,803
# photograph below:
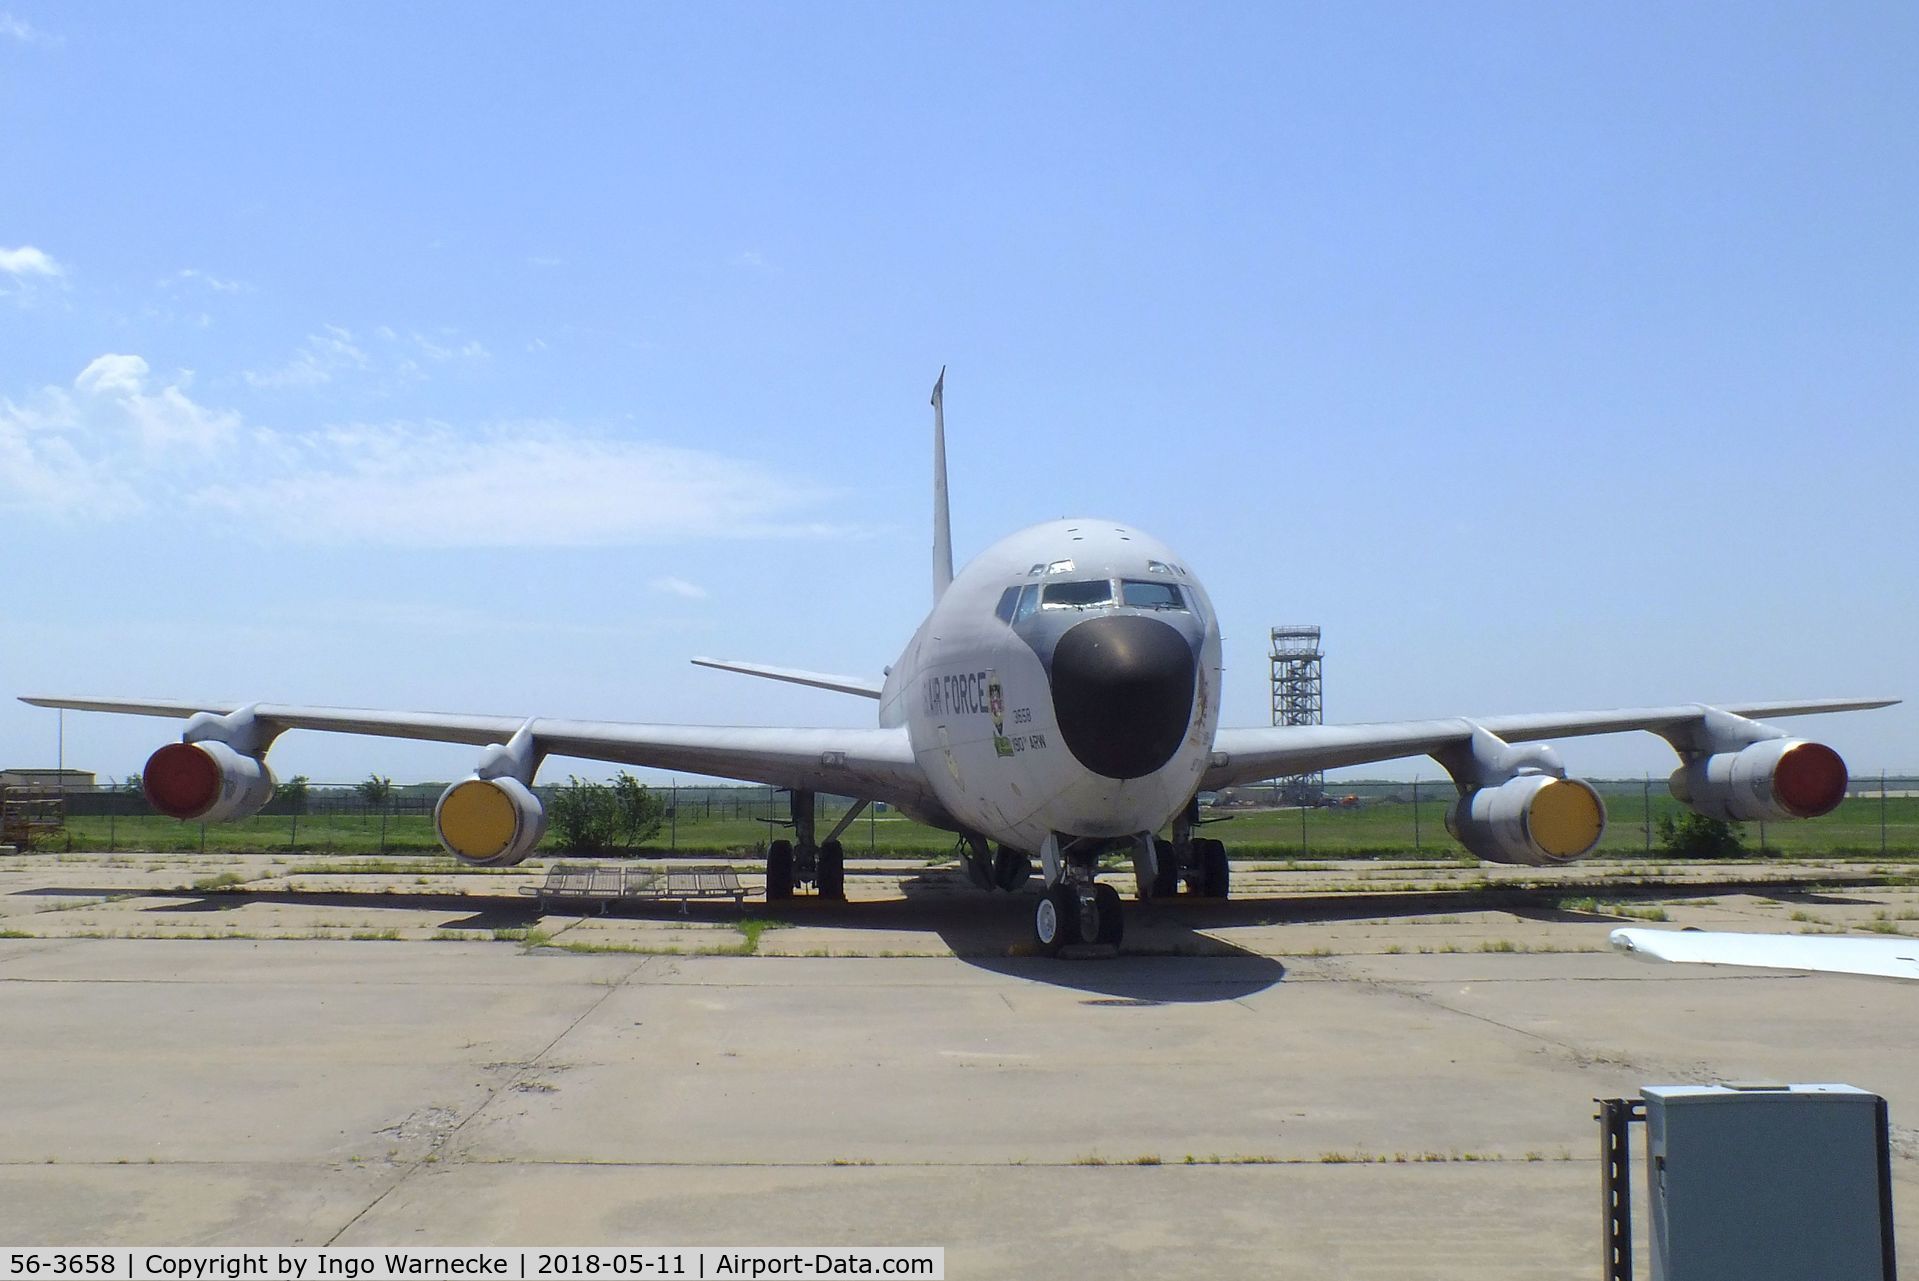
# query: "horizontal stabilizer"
132,706
794,675
1884,957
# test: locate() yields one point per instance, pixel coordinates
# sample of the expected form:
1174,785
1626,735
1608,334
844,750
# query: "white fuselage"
984,695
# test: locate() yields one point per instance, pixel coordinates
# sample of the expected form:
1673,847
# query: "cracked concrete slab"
1321,1097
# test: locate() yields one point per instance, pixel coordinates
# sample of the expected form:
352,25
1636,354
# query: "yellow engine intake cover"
477,819
1565,819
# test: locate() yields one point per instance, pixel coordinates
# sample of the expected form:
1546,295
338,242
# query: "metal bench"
702,882
582,885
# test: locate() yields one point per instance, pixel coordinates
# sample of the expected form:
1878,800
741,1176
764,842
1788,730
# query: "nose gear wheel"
1056,922
1069,915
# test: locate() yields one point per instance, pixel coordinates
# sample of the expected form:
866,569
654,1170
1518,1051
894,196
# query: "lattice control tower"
1297,700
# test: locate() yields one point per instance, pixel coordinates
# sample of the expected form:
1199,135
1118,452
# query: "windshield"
1081,595
1152,595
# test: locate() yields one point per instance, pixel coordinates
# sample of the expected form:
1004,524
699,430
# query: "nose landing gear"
1076,909
1075,913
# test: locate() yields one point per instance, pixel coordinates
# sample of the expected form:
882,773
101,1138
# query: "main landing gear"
803,861
993,869
1198,860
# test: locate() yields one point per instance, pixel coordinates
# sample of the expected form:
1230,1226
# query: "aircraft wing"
1896,958
873,764
1247,755
799,676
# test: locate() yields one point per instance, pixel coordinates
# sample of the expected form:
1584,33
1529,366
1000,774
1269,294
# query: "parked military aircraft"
1061,700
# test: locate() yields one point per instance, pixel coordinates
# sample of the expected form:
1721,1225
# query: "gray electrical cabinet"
1768,1183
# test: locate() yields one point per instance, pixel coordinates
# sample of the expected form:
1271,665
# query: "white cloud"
452,349
18,29
104,447
678,587
388,357
47,465
749,260
114,444
165,420
321,358
28,261
205,279
520,485
110,375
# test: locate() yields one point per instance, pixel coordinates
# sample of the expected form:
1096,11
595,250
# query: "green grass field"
1383,828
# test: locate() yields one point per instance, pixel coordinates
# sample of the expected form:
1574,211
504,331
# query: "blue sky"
499,359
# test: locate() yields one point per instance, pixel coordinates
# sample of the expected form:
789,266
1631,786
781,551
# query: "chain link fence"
1356,818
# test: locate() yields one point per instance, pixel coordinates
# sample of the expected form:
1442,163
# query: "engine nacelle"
207,780
490,822
1772,779
1534,820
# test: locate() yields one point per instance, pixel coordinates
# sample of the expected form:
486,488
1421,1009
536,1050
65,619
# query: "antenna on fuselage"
942,524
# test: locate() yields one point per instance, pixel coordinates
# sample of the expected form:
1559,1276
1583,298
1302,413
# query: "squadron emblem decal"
996,703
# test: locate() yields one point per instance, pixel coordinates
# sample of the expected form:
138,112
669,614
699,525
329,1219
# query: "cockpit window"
1081,595
1028,602
1007,599
1151,595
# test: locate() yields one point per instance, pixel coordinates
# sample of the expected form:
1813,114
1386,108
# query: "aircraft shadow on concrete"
1163,960
470,912
1166,958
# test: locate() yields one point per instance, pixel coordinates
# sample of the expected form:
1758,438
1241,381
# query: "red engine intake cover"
181,781
1810,780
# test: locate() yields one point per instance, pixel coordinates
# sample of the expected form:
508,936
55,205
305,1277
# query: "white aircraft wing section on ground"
1896,958
1246,755
874,764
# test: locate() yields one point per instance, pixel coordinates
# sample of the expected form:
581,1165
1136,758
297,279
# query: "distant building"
48,780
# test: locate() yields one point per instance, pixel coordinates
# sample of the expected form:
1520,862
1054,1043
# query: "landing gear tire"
779,871
1166,879
1056,920
1215,874
1109,916
1011,870
831,876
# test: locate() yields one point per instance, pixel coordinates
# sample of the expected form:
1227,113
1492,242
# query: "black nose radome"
1123,693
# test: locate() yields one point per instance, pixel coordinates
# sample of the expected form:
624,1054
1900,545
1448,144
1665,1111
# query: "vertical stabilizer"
942,524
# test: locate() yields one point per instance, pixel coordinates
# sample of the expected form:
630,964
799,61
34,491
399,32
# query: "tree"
293,793
640,811
594,818
585,816
1696,836
376,790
